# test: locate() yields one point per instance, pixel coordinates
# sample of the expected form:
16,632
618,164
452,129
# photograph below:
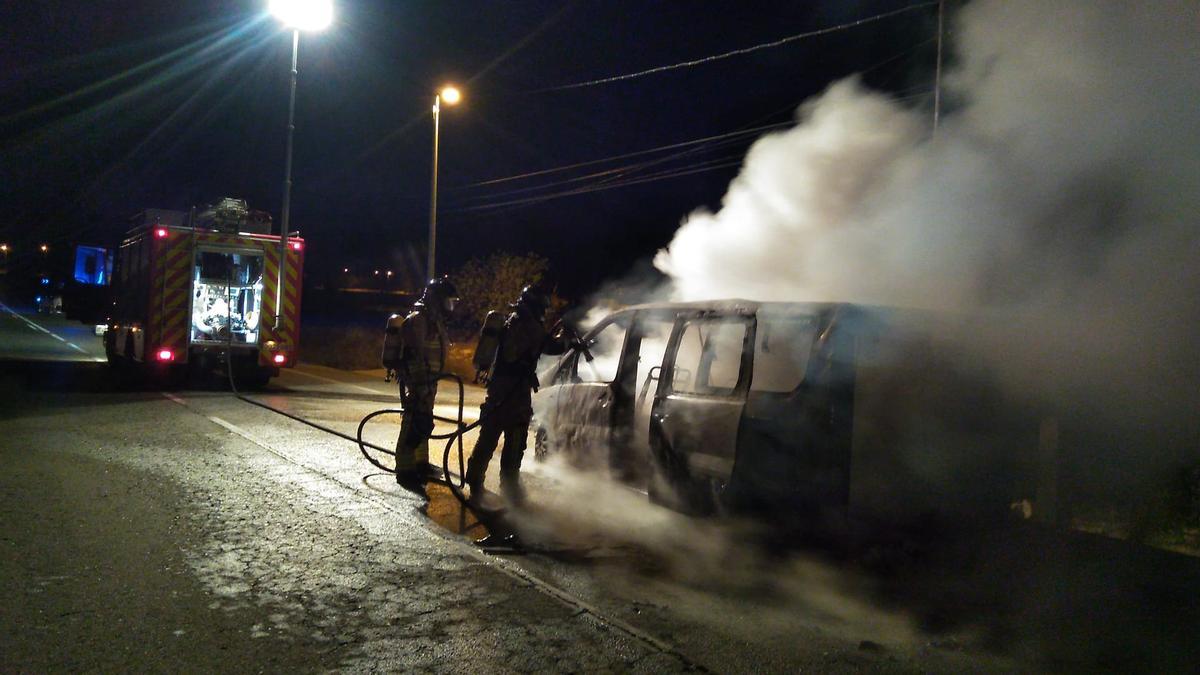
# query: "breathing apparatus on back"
533,301
440,297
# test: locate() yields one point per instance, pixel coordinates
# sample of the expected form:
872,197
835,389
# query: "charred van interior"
817,411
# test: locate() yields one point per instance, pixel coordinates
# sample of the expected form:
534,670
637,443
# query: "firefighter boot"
511,488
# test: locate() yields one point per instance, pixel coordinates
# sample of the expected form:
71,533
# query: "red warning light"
160,232
296,246
165,355
279,359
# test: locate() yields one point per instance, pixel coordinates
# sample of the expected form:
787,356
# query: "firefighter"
508,407
422,357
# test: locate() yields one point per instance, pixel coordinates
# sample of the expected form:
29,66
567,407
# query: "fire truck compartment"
227,294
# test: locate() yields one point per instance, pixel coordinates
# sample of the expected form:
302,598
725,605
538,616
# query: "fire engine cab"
201,287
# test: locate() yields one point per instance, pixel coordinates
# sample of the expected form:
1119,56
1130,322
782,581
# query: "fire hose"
452,438
454,481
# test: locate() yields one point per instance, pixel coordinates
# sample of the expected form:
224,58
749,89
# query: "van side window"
781,349
605,348
708,360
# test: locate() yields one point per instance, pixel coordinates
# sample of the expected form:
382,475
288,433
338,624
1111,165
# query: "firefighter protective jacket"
523,342
424,342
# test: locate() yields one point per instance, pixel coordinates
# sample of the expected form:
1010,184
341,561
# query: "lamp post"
298,15
450,96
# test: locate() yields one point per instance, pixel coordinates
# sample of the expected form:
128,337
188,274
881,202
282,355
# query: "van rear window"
781,352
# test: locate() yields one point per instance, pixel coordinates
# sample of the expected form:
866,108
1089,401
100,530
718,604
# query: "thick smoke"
1055,204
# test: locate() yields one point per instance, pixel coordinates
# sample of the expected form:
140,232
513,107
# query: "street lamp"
298,15
450,96
44,248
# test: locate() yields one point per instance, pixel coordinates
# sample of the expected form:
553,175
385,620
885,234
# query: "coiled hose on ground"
455,481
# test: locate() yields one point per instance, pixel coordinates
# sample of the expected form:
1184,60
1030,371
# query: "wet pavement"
188,530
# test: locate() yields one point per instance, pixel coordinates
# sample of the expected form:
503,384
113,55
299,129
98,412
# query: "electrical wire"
610,174
737,52
607,176
664,175
637,153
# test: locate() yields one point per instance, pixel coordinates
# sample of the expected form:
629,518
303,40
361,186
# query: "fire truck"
206,288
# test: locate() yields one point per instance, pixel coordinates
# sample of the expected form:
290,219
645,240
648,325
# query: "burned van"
813,408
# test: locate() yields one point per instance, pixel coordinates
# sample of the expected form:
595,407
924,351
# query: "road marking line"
359,387
35,326
233,428
506,567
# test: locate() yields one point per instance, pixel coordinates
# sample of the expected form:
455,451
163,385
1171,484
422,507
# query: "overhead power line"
710,165
627,155
739,52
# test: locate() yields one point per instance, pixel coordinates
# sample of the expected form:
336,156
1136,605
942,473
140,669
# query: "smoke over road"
1057,203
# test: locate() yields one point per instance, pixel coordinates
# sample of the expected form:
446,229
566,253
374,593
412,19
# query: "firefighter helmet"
535,297
441,294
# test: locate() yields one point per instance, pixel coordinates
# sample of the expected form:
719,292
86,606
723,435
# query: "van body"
815,409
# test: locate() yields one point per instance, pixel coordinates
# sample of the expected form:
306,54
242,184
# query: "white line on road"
233,428
443,409
359,387
506,567
35,326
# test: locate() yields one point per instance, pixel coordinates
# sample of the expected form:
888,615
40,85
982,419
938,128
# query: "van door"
645,348
698,408
588,394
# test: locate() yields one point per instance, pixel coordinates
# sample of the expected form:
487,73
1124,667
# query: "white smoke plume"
1060,194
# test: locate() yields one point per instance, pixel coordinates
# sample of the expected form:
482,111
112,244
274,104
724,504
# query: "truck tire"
252,376
110,350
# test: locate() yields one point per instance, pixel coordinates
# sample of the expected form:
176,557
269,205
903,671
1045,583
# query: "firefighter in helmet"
508,407
418,356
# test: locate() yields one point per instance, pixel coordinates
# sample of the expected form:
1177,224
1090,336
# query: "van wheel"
541,444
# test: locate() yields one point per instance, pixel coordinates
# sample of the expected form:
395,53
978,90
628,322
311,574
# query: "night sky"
112,107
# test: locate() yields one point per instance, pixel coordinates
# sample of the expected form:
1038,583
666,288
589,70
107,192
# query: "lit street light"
450,96
298,15
44,248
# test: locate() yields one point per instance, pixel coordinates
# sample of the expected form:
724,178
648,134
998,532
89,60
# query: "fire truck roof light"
279,359
296,246
160,232
166,355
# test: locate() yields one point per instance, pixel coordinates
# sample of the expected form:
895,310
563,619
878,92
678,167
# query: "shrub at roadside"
359,347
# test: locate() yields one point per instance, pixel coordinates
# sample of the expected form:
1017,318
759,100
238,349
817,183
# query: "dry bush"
348,348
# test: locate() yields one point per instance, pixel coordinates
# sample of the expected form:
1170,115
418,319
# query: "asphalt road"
187,530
